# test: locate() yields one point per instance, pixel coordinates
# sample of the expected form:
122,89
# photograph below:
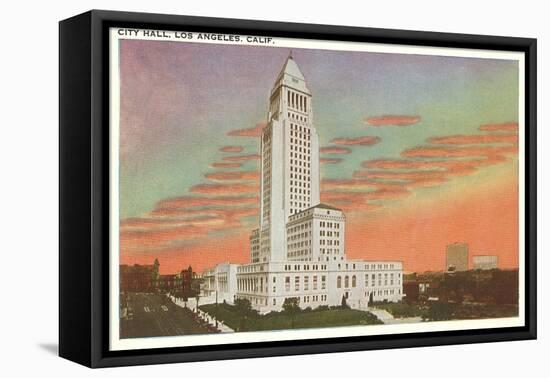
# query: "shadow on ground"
52,348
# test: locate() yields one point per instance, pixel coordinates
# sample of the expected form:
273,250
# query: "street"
153,315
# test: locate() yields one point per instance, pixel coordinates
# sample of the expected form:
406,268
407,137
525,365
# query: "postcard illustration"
317,189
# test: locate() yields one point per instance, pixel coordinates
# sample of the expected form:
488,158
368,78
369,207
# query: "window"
353,281
346,284
306,283
339,282
323,282
296,283
287,283
314,282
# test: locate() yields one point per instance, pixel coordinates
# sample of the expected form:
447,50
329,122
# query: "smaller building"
178,284
316,234
139,278
220,282
485,262
457,257
146,279
411,291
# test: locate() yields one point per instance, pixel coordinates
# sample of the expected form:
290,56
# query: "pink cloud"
225,165
475,139
330,160
235,149
242,158
225,189
508,126
393,120
335,150
188,202
251,132
359,141
452,151
399,175
356,185
232,176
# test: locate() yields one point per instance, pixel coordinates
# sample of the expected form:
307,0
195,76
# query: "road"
155,315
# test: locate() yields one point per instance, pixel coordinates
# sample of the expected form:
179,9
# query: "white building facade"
485,262
298,250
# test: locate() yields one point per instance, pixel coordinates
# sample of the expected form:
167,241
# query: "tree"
291,306
439,311
371,300
344,302
243,308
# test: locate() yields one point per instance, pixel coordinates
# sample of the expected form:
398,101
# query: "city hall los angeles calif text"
298,250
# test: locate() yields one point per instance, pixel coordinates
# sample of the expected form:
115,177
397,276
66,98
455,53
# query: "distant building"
139,278
485,262
411,290
146,279
457,257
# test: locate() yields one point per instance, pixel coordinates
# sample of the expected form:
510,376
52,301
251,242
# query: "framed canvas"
235,188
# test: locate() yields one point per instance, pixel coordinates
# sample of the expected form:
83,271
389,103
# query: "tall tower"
290,160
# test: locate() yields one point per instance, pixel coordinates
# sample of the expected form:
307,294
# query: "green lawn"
451,311
333,317
448,311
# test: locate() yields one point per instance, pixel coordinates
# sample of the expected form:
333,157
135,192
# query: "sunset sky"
419,151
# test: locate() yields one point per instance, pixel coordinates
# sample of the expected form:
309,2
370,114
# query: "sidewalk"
387,318
192,304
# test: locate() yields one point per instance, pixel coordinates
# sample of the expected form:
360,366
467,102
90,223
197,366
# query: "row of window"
297,101
315,298
300,184
299,227
251,284
297,164
329,242
380,293
298,144
329,233
297,117
300,253
371,266
302,235
299,129
297,169
303,243
329,251
346,282
373,282
306,283
300,177
300,198
305,266
329,224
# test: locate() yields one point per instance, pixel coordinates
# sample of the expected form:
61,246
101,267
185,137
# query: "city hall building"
298,250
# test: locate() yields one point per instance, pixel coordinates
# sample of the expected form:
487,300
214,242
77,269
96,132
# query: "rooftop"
291,76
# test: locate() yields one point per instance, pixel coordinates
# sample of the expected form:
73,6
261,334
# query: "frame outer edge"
98,284
75,273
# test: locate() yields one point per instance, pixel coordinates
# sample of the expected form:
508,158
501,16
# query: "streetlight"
216,312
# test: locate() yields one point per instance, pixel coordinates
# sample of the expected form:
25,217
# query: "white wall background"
29,188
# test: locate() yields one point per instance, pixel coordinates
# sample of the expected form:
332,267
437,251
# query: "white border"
115,343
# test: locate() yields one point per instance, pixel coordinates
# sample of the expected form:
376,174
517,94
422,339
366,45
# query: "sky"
419,151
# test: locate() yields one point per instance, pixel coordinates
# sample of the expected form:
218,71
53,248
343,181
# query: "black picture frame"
84,188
